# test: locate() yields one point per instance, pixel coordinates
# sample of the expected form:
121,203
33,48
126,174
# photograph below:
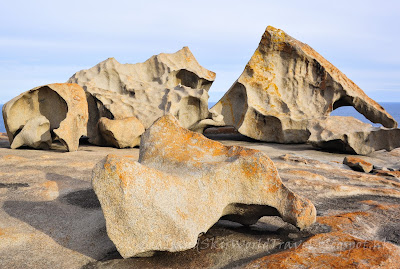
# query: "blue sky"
43,42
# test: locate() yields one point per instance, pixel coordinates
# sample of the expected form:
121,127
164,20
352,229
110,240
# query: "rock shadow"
75,221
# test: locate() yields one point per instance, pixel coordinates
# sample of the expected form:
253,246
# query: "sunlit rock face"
166,83
284,85
182,185
65,107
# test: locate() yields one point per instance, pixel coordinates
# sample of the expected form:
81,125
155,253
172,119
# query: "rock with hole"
286,84
166,83
182,185
64,105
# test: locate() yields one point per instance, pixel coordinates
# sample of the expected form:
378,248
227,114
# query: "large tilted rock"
35,134
64,105
284,85
182,184
348,134
166,83
123,133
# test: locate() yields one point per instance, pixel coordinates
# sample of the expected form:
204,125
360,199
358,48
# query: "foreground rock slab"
284,85
166,83
182,185
348,134
334,250
64,105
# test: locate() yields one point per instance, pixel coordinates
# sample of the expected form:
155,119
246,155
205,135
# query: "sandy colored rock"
348,134
334,250
284,85
182,185
395,174
63,104
35,134
358,164
166,83
123,133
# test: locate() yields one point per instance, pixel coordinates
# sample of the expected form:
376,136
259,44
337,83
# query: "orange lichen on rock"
186,182
333,250
343,222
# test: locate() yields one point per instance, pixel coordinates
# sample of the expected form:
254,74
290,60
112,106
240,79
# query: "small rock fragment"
123,133
35,134
358,164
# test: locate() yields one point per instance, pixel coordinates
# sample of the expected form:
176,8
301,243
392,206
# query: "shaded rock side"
63,104
182,185
334,250
284,85
166,83
358,164
123,133
347,134
35,134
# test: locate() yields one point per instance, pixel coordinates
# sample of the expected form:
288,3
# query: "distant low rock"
123,133
358,164
182,185
35,134
284,86
64,105
347,134
164,84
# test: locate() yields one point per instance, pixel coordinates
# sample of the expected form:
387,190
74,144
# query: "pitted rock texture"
347,134
358,164
123,133
35,134
166,83
182,185
284,85
334,250
64,105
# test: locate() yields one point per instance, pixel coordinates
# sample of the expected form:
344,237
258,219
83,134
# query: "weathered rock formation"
123,133
35,134
284,85
348,134
358,164
64,105
166,83
182,184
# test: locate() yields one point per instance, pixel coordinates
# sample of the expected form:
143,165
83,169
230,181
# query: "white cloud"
54,37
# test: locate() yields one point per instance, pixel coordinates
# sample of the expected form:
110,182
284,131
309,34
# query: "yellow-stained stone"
182,185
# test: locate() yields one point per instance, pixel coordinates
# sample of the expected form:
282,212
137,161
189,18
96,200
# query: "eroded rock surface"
166,83
64,105
348,134
284,85
35,134
123,133
334,250
182,185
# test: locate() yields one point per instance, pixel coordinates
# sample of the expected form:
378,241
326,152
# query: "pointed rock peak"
286,84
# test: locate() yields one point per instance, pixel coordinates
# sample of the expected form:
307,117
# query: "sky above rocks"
44,42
